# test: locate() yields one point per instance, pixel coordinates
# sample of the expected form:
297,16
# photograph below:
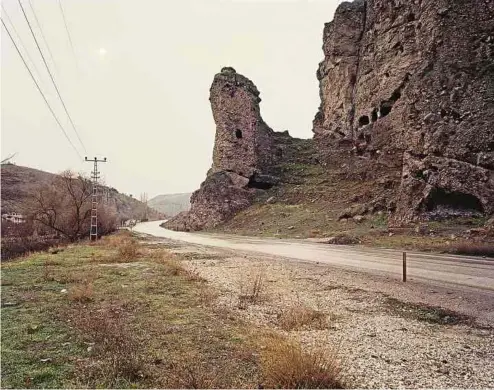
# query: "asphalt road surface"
457,270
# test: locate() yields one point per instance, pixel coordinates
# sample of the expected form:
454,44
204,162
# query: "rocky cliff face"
407,91
245,152
406,116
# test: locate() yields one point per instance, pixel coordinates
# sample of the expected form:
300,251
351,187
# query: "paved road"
458,270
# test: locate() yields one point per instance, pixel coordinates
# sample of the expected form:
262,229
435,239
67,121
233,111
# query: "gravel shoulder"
388,334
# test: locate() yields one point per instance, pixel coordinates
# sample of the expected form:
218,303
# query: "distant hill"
171,204
19,182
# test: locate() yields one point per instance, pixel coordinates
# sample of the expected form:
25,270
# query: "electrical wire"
68,32
51,77
21,43
43,36
39,90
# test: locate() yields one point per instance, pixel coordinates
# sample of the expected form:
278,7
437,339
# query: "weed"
285,365
252,293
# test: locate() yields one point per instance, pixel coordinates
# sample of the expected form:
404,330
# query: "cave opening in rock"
385,109
258,184
238,133
363,120
452,199
374,115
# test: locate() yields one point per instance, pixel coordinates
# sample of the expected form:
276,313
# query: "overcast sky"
138,85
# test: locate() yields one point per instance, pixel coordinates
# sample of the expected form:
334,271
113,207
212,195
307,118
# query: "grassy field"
118,314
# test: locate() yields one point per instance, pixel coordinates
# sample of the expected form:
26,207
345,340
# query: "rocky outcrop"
245,151
407,87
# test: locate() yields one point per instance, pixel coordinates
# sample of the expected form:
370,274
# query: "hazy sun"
102,51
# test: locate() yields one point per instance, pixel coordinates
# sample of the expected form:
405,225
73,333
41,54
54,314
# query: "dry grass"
192,275
285,365
114,346
48,272
115,240
81,292
160,255
471,248
175,268
129,250
190,374
251,293
301,316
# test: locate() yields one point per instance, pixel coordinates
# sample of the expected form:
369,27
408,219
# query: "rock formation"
407,89
407,104
244,153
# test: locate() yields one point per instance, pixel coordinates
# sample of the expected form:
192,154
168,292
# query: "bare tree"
64,205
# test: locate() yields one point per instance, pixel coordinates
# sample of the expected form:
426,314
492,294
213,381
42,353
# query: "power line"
39,89
42,35
51,76
68,33
20,41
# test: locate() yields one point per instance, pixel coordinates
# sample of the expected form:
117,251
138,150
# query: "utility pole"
144,199
93,230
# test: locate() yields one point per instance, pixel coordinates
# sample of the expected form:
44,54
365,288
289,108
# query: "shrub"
285,365
13,247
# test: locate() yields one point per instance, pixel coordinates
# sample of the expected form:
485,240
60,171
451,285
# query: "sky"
136,83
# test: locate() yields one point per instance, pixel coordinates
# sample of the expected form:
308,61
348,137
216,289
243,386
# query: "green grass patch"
140,324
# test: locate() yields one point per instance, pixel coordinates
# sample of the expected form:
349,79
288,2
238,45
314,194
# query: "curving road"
457,270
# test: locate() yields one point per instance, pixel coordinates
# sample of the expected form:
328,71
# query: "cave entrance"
385,109
238,133
374,115
363,120
440,198
257,183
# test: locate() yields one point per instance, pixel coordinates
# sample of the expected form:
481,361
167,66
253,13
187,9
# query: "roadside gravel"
379,327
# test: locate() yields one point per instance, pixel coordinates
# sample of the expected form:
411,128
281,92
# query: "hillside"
171,204
19,182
